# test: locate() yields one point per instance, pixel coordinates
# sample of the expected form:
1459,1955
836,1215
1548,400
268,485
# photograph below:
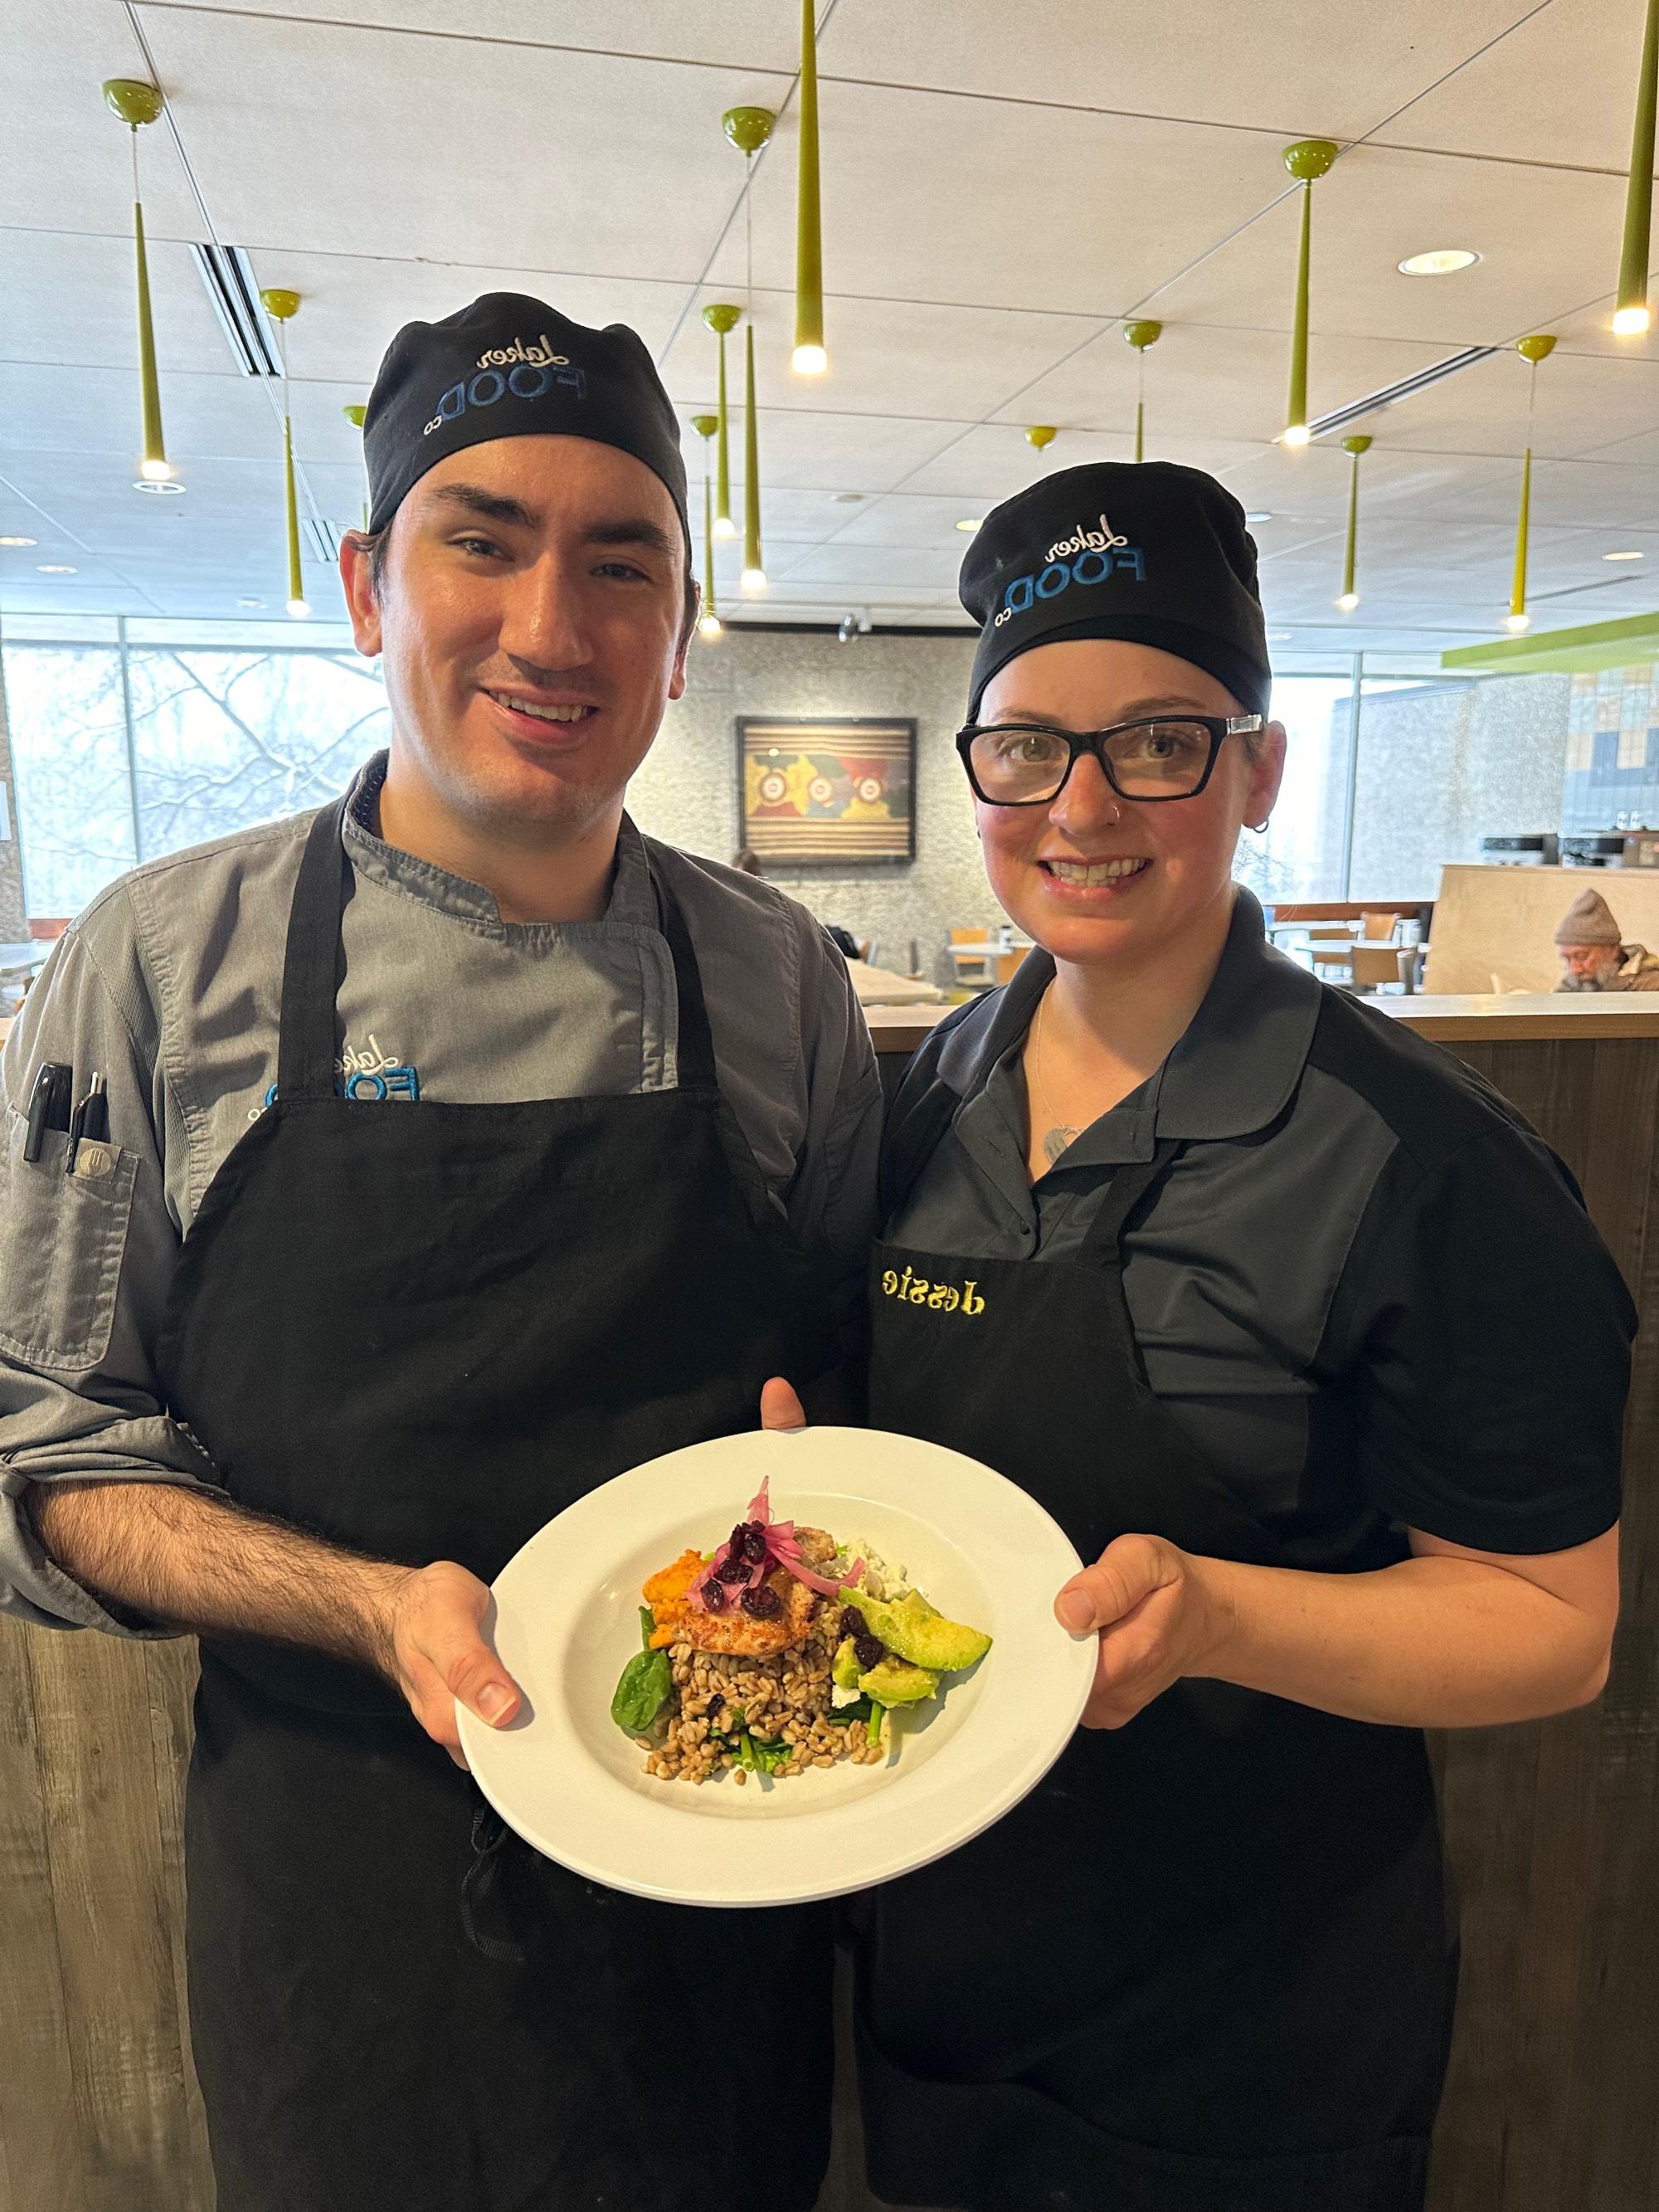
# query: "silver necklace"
1059,1134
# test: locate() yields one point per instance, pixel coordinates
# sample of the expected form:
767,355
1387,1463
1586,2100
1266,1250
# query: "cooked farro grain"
785,1697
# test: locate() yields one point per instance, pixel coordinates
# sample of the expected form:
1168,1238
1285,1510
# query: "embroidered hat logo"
1084,540
534,371
1098,554
539,357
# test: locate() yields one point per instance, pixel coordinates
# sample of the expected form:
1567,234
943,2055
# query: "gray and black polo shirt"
1367,1287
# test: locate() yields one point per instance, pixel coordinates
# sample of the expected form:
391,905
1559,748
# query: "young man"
465,1147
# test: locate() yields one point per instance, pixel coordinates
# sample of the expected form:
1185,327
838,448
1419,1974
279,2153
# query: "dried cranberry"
869,1651
852,1622
731,1570
753,1543
762,1603
713,1597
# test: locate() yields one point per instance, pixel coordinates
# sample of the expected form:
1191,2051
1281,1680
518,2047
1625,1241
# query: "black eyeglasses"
1165,756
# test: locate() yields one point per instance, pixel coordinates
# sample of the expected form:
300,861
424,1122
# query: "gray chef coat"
169,985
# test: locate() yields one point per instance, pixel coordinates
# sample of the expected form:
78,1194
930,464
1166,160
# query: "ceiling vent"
231,285
323,538
1391,396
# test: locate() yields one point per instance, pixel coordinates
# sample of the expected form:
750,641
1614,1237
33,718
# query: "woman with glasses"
1304,1337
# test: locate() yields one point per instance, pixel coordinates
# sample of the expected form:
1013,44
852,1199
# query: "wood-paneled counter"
1553,1827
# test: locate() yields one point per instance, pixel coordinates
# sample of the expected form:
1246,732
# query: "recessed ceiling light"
19,541
1260,514
970,522
1444,261
250,603
164,487
54,568
1279,637
1622,557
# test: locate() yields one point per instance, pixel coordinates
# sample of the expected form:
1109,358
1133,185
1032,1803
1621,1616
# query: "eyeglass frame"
1093,742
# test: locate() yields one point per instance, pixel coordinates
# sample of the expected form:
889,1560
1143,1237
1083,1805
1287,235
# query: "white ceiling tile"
1536,230
1560,88
65,158
989,204
1324,67
740,35
886,357
995,460
312,138
71,300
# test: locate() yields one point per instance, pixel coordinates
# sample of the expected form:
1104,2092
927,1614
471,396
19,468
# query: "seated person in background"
1593,955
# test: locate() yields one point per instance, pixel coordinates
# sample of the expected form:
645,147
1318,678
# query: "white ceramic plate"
566,1619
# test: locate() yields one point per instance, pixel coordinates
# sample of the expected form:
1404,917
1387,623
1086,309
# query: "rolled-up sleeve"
85,1264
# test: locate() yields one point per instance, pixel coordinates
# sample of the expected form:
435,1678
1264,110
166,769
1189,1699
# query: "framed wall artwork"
832,792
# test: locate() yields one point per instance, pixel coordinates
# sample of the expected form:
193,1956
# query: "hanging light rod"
1392,394
1632,315
1308,159
282,305
809,358
138,103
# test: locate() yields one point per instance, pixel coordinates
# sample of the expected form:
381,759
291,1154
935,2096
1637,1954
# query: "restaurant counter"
1553,1826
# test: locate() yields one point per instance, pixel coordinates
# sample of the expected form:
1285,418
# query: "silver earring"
1257,827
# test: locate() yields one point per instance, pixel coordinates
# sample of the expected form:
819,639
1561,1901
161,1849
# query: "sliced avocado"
895,1683
926,1638
844,1668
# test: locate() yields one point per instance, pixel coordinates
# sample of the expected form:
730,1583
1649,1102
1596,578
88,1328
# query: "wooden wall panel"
42,2169
1553,1827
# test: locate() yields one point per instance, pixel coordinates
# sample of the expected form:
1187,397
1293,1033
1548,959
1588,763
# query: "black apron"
1207,1965
422,1330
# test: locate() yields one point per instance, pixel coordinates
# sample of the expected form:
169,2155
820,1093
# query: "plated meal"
785,1649
734,1664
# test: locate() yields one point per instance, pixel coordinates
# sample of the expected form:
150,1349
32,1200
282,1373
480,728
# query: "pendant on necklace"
1056,1142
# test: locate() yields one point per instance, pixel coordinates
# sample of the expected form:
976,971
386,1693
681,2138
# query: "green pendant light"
1350,599
721,317
355,412
1534,350
1041,434
1308,159
281,306
708,622
1140,336
754,568
749,129
138,103
1632,315
809,358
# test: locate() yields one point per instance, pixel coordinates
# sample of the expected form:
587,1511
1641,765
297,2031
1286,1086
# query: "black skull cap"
1142,551
511,367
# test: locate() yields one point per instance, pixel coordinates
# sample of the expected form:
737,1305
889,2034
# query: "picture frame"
826,790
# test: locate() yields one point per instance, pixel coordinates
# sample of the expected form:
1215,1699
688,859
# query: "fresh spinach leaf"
646,1685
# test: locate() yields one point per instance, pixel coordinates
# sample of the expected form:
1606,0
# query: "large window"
127,748
1302,854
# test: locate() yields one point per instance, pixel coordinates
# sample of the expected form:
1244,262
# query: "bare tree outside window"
223,740
218,739
68,749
